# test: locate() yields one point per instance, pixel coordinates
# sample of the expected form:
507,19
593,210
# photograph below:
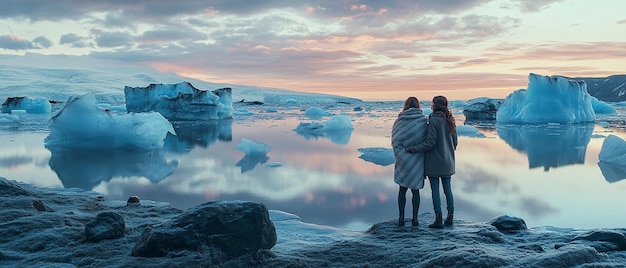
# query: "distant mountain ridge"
610,89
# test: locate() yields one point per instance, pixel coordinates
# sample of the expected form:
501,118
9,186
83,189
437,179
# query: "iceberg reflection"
336,136
249,161
85,169
548,145
612,172
190,134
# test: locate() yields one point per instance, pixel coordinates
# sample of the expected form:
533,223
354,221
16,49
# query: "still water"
545,174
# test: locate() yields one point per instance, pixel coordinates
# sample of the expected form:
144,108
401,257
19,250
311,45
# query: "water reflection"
612,172
203,134
548,145
327,183
336,136
249,161
87,168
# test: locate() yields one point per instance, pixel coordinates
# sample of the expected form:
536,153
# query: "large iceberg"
79,123
548,99
180,101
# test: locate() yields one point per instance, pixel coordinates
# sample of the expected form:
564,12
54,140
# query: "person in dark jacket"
439,146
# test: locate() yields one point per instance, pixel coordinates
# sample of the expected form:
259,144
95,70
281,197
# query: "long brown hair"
440,103
411,102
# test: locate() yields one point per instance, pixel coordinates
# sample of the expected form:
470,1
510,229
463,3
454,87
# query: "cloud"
13,42
534,5
69,38
171,34
42,42
114,39
153,10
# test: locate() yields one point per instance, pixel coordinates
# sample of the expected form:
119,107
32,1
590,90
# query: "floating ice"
255,153
180,101
316,112
377,155
31,106
79,123
548,100
251,147
600,107
338,128
469,131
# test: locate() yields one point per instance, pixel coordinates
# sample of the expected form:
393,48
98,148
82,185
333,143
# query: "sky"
367,49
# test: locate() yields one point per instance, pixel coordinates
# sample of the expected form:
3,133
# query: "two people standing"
437,148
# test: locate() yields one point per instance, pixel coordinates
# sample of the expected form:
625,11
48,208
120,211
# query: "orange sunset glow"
371,50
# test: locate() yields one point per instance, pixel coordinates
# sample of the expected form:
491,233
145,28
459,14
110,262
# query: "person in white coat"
409,129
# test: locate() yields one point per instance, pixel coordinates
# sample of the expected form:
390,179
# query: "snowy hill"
611,88
62,76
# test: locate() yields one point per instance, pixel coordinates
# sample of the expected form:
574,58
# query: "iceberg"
180,101
337,128
254,153
482,109
600,107
548,99
377,155
31,106
79,123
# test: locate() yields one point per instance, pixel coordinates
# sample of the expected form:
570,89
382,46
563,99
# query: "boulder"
508,223
601,240
106,225
11,189
233,228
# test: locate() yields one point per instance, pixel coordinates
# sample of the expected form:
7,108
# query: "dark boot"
438,221
448,221
401,219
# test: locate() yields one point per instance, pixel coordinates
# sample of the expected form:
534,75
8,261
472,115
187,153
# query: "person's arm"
428,143
455,140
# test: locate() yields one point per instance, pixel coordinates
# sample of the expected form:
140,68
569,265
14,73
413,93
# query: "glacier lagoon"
547,174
